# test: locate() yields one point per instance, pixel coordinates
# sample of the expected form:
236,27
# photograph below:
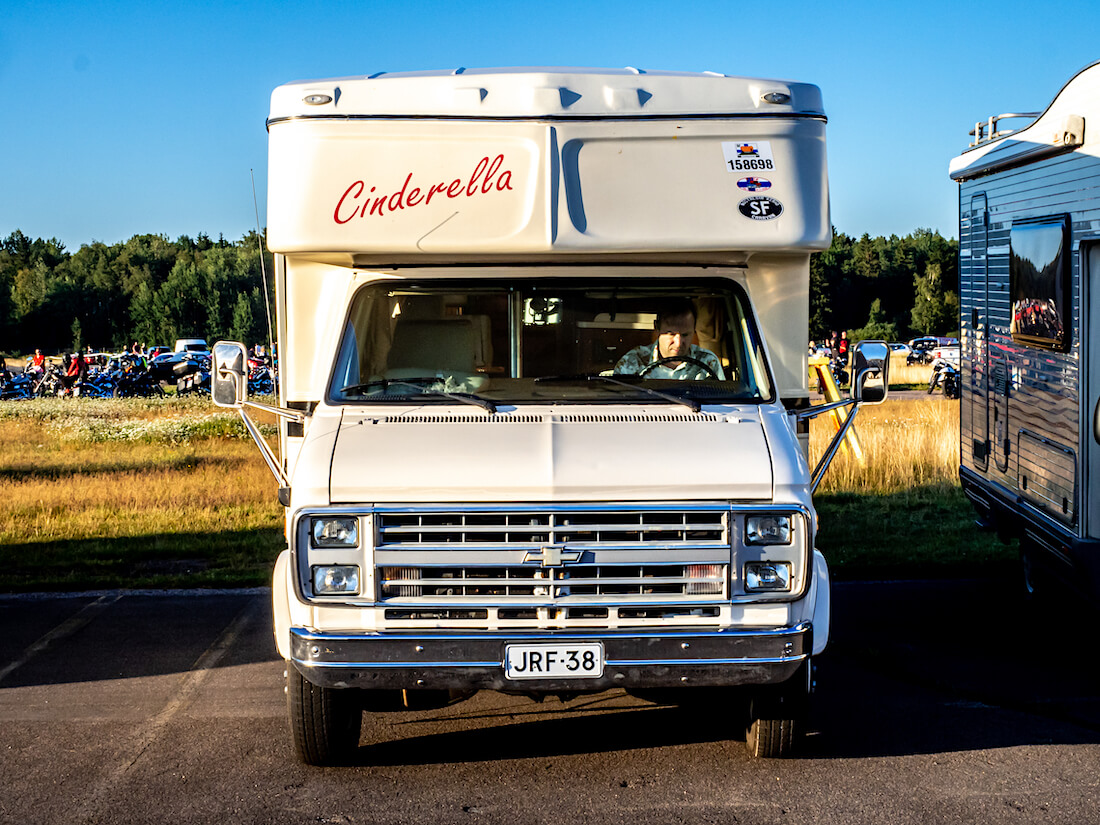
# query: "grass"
169,493
901,513
132,493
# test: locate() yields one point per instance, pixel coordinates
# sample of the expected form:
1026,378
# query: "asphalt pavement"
937,701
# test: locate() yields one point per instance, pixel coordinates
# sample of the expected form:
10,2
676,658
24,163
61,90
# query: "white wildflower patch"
161,421
174,430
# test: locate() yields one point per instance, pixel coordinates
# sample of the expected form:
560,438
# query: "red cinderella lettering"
359,201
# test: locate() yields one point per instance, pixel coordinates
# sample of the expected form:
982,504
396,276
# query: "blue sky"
123,118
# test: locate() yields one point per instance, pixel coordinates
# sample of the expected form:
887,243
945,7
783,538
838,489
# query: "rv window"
1039,283
550,341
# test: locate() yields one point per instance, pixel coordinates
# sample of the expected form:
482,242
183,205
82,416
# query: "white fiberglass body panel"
546,165
383,191
547,455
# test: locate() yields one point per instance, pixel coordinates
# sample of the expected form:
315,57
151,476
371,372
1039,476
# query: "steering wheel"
676,359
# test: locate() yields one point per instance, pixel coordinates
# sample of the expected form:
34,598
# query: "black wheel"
777,719
677,358
324,722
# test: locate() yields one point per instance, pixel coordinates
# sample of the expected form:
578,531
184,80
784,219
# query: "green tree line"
148,289
153,290
889,288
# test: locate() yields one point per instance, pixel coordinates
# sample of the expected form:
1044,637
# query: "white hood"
642,455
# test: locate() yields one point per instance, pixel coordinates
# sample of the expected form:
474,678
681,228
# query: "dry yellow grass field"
168,493
906,443
101,491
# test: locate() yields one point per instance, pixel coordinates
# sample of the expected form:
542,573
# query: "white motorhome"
543,381
1029,272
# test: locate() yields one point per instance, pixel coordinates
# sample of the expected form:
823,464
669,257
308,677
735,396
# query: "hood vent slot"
631,418
569,418
462,419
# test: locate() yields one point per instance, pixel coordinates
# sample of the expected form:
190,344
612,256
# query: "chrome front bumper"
632,659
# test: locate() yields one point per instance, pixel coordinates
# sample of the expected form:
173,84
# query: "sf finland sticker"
752,184
760,208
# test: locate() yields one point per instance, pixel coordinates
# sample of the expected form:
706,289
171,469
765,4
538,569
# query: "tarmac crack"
79,620
141,740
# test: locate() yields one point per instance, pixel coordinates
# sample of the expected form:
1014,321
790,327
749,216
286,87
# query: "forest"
153,290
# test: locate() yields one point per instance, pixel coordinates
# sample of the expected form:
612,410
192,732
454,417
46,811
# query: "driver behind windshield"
673,355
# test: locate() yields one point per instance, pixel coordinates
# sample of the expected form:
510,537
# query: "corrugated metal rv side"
1026,415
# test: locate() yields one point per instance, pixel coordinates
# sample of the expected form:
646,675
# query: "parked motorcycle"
98,383
837,368
50,383
260,381
16,387
132,379
945,375
192,375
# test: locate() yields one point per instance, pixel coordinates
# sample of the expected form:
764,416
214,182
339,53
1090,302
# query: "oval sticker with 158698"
760,208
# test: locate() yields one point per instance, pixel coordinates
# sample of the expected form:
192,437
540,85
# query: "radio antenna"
263,267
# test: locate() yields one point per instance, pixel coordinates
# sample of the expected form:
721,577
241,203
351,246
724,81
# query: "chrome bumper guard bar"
460,660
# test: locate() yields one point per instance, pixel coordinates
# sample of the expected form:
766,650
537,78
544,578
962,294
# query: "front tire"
325,723
777,719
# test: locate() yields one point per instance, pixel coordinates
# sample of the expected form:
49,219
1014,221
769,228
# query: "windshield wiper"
690,403
418,385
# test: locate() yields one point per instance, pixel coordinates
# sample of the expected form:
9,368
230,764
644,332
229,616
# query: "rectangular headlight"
767,576
335,532
331,580
769,529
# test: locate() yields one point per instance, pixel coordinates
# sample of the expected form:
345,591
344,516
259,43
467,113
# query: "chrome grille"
552,566
623,581
654,528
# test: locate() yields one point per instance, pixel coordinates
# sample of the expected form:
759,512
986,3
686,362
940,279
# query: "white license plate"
570,661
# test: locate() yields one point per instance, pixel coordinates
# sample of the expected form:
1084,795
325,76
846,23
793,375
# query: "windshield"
550,341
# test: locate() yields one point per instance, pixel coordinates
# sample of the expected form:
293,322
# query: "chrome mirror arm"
826,459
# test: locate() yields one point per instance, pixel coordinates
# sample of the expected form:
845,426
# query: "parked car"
192,345
951,353
900,349
919,349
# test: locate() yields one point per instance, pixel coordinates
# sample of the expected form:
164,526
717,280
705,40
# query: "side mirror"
870,372
229,380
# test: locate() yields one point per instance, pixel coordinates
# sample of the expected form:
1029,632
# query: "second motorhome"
544,392
1029,273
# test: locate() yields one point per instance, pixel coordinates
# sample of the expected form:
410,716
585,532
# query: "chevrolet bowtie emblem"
552,556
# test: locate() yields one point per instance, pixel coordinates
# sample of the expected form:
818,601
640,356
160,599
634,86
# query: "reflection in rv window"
1039,283
552,341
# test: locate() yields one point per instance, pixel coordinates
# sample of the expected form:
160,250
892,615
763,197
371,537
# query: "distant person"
76,370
